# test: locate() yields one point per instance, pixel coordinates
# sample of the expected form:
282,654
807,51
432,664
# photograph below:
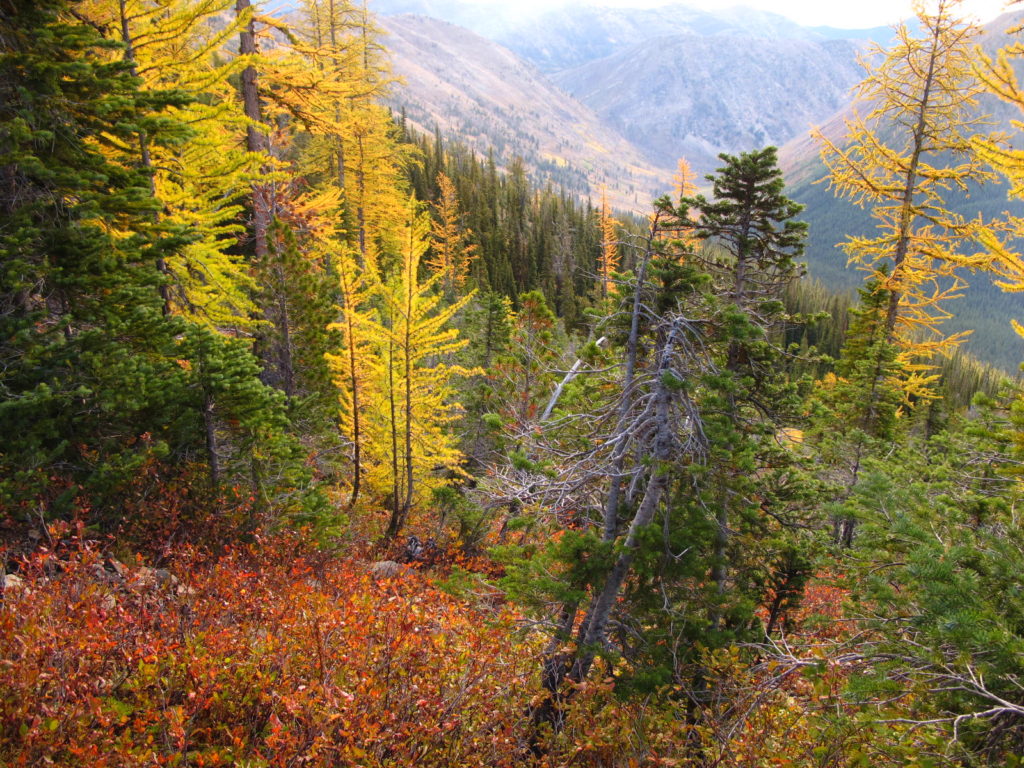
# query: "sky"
855,14
848,14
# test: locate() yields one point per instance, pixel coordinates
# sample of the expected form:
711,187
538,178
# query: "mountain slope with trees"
467,86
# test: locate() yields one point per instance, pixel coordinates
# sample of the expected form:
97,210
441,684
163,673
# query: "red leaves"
261,657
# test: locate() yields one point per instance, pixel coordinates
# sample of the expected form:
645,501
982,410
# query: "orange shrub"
263,657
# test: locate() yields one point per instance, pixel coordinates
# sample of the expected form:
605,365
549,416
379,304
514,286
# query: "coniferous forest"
327,441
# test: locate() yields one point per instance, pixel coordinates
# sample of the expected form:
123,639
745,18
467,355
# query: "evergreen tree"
89,358
752,239
97,378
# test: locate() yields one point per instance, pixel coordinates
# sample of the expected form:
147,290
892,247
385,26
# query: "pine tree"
856,408
751,219
97,379
201,182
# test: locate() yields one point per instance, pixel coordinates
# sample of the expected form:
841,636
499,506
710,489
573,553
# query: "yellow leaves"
608,261
684,179
451,251
913,146
394,376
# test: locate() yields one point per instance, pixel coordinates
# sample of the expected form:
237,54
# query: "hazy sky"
851,14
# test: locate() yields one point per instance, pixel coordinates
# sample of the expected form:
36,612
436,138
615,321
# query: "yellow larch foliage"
684,179
913,146
199,182
355,367
999,76
685,186
608,261
395,381
451,253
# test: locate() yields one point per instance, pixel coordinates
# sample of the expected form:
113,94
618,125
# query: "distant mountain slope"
697,96
571,36
490,98
572,33
984,308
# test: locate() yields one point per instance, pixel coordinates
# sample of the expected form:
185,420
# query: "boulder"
9,582
388,569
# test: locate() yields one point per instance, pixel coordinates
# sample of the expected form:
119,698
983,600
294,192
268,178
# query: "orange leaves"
269,657
608,261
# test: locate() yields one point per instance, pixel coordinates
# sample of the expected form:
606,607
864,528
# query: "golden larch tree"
414,393
999,76
451,251
911,148
608,260
201,181
355,367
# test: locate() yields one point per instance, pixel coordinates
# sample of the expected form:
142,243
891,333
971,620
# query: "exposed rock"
155,577
695,96
9,582
388,569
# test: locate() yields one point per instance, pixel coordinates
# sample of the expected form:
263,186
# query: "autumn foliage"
268,655
274,654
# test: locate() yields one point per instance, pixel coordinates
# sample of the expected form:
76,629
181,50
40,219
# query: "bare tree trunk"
611,509
256,140
907,203
592,633
285,353
396,522
407,354
356,424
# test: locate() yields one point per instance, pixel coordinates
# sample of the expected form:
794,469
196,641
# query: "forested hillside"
328,440
498,104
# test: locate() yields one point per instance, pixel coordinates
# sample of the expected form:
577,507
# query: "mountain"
695,96
672,81
490,98
570,36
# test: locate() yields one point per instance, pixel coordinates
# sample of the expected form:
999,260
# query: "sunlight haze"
860,15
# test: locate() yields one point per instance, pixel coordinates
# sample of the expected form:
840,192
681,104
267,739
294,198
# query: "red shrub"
264,657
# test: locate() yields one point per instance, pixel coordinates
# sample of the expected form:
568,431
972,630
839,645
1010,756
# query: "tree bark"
256,139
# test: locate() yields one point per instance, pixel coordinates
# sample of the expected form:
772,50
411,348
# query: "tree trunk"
256,139
907,204
611,510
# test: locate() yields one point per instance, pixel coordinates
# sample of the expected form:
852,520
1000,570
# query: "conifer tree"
414,339
857,406
913,146
751,219
200,182
999,77
451,253
355,364
97,379
608,259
